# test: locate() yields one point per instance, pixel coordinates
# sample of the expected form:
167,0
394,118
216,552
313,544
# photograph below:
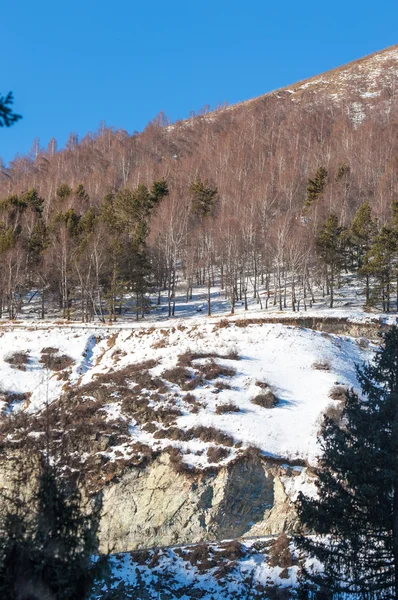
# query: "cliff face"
157,507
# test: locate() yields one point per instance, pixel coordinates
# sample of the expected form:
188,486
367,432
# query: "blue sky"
72,64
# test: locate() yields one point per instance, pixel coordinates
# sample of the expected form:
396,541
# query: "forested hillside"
273,198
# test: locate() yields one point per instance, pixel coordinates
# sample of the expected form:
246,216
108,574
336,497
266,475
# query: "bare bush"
338,392
321,365
18,360
217,453
201,558
334,413
221,409
222,385
56,362
279,554
178,375
50,350
231,550
221,324
211,370
267,399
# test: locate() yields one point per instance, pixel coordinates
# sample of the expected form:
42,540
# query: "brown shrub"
159,344
338,392
186,359
231,550
279,554
212,370
56,362
321,366
232,355
221,409
222,385
201,558
242,322
217,453
211,434
18,360
334,413
221,324
50,350
171,433
193,402
176,460
144,380
178,375
262,384
267,399
206,434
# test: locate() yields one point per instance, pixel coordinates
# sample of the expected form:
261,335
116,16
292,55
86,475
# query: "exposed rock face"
157,506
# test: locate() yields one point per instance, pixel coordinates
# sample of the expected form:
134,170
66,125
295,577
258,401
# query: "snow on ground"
300,366
225,571
33,377
283,357
348,303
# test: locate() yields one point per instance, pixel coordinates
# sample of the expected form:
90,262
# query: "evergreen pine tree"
47,537
316,187
356,511
329,244
361,234
379,262
7,116
204,198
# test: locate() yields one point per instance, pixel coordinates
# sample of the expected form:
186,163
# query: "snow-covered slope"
198,379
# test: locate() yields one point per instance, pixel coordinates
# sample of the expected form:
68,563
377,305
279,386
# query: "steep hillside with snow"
193,429
262,386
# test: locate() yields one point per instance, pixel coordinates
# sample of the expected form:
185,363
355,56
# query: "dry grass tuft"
221,324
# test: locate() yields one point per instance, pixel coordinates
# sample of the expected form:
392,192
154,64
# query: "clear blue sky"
72,64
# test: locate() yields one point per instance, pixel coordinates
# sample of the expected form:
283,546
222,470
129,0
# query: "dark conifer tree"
329,244
316,186
360,237
7,116
204,198
379,262
356,511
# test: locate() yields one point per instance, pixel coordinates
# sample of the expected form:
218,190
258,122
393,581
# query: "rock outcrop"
156,506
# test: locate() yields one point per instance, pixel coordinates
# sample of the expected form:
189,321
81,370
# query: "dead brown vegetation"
215,454
338,392
266,399
56,362
18,360
280,554
222,409
211,370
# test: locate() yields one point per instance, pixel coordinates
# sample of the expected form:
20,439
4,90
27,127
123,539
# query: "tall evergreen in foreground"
356,511
47,538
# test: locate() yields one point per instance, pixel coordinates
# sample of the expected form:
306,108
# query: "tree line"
138,245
